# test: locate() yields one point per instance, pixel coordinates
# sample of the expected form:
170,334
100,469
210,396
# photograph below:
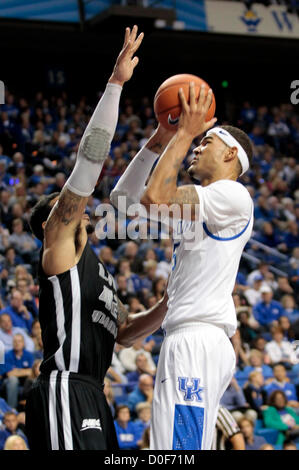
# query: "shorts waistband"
72,376
192,327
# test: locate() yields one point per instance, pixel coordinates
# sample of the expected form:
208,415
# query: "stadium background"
71,46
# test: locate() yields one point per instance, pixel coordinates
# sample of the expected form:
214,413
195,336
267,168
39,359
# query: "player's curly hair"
243,140
39,214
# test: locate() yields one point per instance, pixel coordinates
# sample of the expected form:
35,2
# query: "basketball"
167,103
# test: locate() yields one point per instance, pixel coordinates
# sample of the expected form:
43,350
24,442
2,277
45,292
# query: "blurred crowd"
38,144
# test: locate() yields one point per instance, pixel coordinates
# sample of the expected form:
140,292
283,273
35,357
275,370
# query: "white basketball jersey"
205,269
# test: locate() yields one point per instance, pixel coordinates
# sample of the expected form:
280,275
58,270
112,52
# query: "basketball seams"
177,85
169,103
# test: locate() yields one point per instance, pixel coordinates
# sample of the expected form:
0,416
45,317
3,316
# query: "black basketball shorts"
68,411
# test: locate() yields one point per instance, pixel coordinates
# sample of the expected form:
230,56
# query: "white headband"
232,142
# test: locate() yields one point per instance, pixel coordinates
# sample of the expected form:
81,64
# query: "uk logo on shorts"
191,388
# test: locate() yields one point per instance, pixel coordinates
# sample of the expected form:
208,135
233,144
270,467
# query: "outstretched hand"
126,63
193,115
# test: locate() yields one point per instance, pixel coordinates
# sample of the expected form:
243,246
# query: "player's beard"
192,172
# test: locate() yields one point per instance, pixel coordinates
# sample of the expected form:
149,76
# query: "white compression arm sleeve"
132,183
95,143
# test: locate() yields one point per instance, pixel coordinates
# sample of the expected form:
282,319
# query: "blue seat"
278,447
270,435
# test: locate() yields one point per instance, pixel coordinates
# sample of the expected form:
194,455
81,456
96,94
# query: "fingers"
183,99
133,33
192,99
137,43
210,124
127,35
208,101
202,97
135,61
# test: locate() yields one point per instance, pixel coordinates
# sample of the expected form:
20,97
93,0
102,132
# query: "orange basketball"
167,103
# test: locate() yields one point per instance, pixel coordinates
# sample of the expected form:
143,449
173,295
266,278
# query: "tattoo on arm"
65,209
185,195
122,313
157,147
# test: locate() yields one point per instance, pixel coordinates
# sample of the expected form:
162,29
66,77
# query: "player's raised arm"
67,215
162,187
132,182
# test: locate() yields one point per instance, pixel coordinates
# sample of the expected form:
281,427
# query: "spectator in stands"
290,309
21,272
267,447
291,238
131,254
283,288
159,286
8,331
247,332
116,378
36,333
133,281
144,444
260,345
142,367
134,305
11,261
252,441
253,294
234,400
289,445
128,357
31,379
18,363
240,350
281,382
263,270
287,330
108,391
15,443
24,286
255,393
10,422
22,242
150,268
18,312
106,255
143,392
280,350
4,407
126,431
143,421
122,289
164,266
267,310
281,417
256,364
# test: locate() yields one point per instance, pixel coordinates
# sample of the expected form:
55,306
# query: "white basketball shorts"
196,365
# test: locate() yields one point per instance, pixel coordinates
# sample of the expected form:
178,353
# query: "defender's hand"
193,115
125,64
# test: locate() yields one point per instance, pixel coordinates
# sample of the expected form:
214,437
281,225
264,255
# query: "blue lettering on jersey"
191,392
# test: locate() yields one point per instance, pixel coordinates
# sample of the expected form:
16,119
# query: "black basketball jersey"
78,317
